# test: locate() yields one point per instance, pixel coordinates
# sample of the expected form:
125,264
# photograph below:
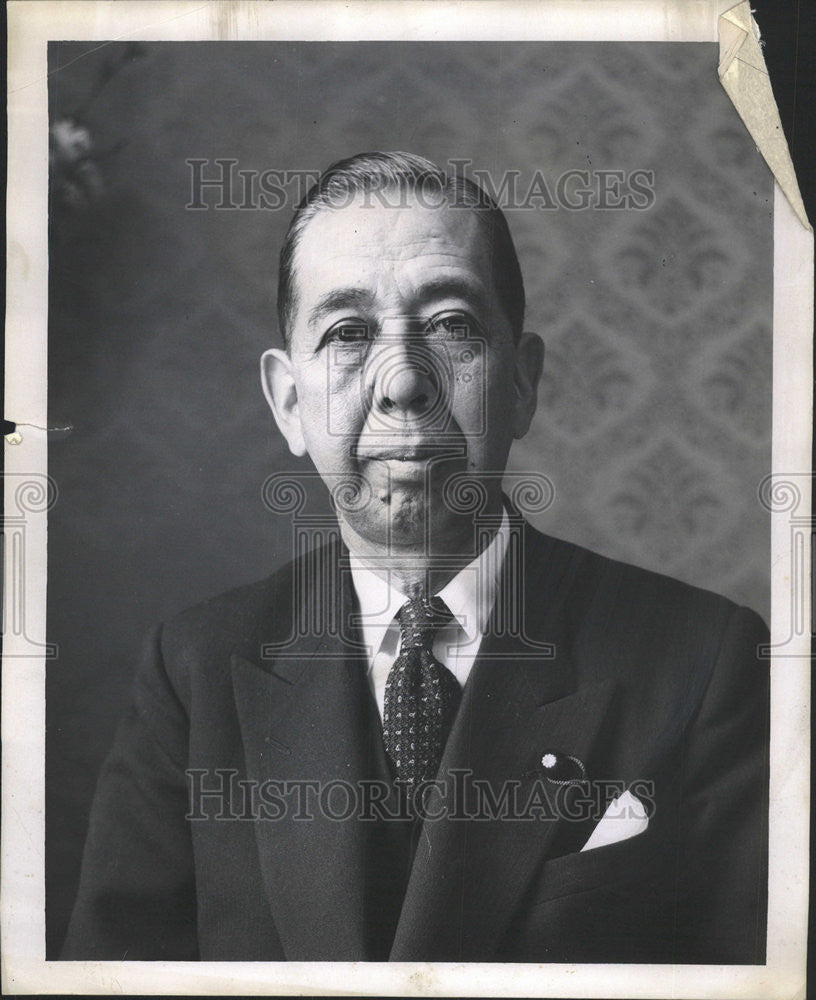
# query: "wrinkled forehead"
389,237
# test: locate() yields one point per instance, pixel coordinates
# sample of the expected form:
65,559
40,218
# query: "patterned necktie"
421,694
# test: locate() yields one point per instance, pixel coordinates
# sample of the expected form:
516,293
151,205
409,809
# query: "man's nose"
406,382
405,389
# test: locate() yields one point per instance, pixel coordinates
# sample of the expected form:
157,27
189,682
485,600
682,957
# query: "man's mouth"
409,451
404,455
406,452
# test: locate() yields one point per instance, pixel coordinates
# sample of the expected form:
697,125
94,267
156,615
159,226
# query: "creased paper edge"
744,76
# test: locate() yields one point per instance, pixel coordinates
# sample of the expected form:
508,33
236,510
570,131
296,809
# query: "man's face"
402,375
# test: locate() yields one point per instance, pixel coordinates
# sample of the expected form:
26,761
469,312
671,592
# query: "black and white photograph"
424,581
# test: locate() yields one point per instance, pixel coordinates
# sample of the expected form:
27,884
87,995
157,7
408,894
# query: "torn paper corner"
746,81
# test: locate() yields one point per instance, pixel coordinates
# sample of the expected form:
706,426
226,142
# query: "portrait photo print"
407,543
643,229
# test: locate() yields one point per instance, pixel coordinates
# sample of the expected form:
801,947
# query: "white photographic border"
22,894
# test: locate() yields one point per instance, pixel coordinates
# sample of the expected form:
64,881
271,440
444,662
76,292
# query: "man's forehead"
371,234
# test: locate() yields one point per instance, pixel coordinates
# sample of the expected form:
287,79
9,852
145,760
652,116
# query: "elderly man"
440,735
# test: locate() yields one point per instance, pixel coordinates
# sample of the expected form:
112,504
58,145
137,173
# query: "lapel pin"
562,768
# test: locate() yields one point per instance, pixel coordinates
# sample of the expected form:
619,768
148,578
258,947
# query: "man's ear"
527,374
280,389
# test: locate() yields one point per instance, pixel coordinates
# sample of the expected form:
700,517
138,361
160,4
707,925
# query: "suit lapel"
521,700
304,720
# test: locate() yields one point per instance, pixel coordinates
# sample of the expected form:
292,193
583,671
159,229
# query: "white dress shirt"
470,597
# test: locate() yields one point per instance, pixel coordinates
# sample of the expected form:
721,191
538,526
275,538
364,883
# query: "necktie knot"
419,620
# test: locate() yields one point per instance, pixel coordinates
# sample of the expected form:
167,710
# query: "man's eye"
456,325
347,333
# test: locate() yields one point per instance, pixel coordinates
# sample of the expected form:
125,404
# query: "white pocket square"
625,817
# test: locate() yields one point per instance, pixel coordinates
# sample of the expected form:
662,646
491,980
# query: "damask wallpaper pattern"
654,412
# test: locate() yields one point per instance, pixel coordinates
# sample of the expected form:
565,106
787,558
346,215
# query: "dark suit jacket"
639,677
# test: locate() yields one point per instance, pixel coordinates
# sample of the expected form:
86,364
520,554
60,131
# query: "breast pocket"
633,858
611,904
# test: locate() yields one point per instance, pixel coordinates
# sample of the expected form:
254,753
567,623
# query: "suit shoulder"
666,641
642,620
629,587
235,617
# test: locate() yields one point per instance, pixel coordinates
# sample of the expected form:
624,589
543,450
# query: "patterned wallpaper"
654,419
654,415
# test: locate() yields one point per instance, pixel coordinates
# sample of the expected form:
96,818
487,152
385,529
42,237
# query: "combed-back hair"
368,173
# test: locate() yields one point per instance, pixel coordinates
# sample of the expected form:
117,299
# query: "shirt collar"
470,595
